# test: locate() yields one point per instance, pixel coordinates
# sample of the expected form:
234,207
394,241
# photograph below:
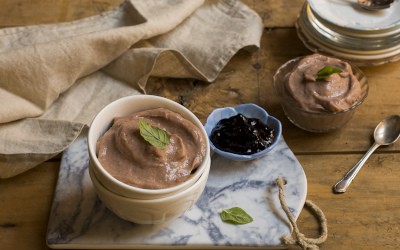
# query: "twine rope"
300,239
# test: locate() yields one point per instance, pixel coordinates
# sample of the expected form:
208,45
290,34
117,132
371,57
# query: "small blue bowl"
251,111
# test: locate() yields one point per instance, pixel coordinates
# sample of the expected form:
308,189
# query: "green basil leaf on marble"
235,215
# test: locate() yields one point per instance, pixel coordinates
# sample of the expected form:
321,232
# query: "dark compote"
241,135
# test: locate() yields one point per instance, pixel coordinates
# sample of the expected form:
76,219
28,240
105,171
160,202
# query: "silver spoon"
375,4
387,132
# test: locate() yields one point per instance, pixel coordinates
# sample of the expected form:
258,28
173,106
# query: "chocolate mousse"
320,93
127,156
336,92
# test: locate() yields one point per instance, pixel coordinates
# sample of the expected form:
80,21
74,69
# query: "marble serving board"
79,220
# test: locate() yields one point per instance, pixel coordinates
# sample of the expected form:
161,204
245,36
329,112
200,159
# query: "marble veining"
78,218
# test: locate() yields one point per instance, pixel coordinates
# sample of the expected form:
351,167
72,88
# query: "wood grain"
25,207
24,12
367,216
276,13
30,12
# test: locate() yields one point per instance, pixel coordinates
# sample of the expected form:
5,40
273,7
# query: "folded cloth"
55,78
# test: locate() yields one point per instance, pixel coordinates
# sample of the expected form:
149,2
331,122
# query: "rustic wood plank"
25,12
29,12
25,207
367,216
276,13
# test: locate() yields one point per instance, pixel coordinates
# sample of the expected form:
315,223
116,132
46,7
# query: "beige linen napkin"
55,78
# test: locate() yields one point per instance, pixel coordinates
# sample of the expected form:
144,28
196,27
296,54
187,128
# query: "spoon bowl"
375,4
386,133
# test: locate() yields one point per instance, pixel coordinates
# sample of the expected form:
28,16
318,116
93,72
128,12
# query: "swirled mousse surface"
338,92
129,158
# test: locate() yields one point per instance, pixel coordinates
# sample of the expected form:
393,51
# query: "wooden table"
366,217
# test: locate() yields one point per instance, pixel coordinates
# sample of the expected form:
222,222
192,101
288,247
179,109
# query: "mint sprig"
155,136
235,215
327,71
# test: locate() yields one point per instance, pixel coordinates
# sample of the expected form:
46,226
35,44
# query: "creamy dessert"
319,93
333,93
127,156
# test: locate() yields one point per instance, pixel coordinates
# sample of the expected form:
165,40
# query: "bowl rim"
270,119
357,72
124,186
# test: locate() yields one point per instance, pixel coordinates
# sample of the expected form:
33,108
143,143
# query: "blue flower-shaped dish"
250,111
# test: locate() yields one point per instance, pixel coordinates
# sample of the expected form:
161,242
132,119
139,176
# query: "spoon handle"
345,182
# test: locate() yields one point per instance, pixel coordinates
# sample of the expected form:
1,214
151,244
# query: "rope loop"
300,239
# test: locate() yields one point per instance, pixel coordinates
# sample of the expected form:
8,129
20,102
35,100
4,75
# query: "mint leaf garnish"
155,136
235,215
326,71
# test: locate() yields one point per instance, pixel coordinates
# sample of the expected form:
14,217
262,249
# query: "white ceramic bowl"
124,107
153,211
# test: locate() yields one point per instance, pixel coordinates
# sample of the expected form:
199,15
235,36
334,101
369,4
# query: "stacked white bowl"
139,205
343,29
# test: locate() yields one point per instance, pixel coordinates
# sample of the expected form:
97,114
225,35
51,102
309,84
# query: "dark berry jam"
241,135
